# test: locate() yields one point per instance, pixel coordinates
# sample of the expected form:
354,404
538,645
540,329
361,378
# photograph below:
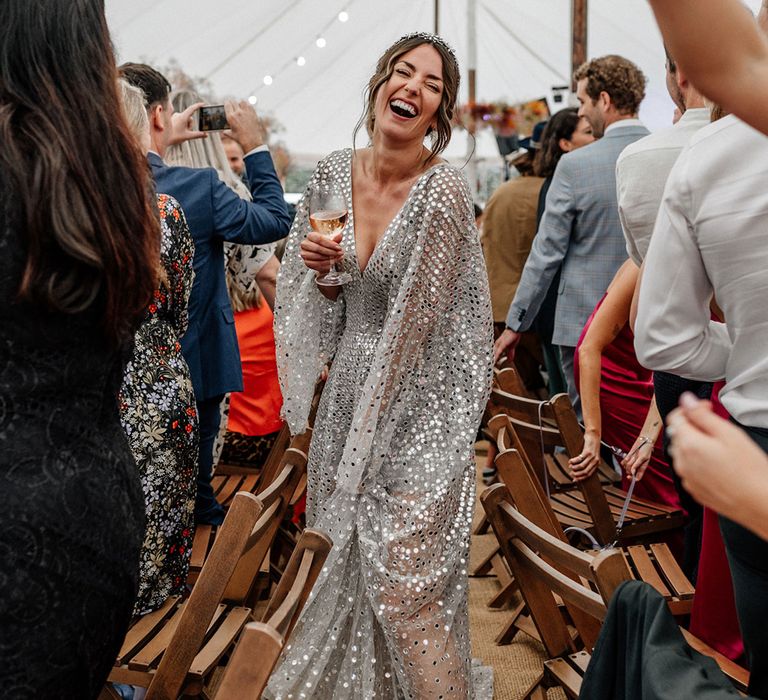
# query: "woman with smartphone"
79,251
407,329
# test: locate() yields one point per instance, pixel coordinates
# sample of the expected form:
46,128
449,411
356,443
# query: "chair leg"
485,567
504,596
482,527
536,690
509,631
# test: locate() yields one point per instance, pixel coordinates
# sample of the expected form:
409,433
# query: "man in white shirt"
641,173
643,166
711,237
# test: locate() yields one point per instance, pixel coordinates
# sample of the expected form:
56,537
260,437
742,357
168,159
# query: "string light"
253,99
320,43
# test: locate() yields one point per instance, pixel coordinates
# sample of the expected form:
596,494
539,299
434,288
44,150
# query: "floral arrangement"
505,119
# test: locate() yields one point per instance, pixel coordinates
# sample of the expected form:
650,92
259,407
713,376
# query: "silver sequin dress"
391,473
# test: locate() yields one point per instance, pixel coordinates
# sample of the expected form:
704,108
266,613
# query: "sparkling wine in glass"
328,216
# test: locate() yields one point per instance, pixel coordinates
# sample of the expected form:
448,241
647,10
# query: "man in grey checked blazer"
580,229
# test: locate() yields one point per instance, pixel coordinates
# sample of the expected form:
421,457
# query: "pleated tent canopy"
523,49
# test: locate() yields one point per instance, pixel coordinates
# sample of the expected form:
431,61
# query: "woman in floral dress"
157,404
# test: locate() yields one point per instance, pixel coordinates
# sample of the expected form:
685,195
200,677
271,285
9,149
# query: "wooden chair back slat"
280,445
251,664
282,617
524,485
522,408
205,598
585,599
276,499
298,577
591,488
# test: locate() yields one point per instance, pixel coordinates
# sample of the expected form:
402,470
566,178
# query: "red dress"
626,390
713,617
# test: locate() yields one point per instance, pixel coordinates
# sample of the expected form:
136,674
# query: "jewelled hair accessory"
433,39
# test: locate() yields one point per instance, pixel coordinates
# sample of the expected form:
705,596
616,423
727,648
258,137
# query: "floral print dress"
157,405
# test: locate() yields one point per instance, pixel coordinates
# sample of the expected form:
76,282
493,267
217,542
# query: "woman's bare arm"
606,325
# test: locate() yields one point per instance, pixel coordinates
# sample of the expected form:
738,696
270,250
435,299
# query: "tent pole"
437,16
579,36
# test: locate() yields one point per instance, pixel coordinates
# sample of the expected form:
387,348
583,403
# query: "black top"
71,522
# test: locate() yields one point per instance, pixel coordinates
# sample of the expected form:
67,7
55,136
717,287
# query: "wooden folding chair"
171,650
276,499
653,564
591,505
547,566
261,643
508,399
222,608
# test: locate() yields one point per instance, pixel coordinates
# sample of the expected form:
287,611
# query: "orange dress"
255,411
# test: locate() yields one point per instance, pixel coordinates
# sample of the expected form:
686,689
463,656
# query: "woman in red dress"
617,396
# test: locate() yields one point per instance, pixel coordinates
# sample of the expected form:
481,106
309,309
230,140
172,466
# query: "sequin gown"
391,473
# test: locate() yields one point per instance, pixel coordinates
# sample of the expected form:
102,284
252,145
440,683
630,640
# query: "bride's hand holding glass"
320,250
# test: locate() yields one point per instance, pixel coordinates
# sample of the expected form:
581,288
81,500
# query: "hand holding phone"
184,125
244,125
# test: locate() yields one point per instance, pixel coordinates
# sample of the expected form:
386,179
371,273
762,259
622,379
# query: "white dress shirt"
711,236
641,173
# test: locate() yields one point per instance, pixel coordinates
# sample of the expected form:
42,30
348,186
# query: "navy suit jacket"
215,214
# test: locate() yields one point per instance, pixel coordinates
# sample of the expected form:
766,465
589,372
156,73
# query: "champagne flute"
328,216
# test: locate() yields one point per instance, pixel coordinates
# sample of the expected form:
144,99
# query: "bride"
391,470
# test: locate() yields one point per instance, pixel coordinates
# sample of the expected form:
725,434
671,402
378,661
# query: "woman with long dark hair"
79,251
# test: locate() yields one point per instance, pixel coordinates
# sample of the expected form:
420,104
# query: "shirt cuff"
259,149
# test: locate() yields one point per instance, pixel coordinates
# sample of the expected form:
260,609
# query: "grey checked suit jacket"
581,230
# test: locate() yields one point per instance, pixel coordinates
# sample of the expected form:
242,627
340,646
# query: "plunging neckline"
395,218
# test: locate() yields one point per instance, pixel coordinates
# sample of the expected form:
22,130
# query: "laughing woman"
391,473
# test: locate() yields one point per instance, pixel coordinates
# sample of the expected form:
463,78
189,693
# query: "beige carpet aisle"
515,665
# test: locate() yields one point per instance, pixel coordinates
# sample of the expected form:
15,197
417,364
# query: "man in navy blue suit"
215,214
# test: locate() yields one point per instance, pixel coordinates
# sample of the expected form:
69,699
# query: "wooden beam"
579,36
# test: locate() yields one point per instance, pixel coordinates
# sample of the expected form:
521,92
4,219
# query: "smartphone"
213,118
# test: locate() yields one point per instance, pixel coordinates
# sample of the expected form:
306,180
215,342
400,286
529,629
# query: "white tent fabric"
523,49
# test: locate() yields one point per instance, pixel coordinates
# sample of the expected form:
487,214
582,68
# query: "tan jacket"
509,225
